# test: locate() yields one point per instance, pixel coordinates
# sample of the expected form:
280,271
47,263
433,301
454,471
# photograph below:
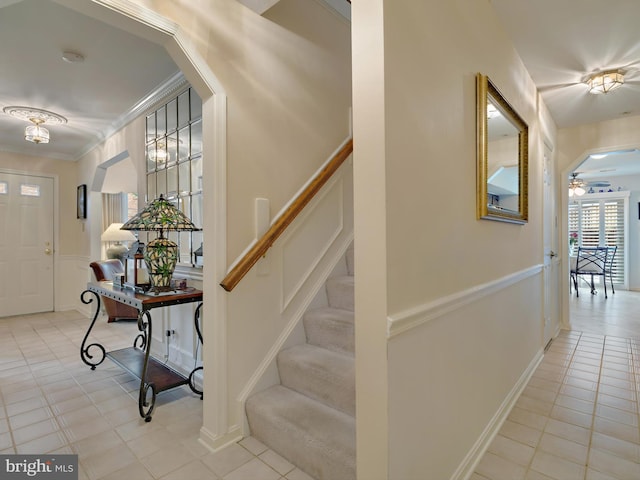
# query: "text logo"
49,467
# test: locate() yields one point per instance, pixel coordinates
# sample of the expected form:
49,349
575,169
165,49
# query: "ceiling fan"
576,185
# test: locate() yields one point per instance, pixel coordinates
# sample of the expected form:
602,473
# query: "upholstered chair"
104,271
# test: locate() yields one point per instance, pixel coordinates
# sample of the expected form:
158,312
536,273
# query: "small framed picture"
82,201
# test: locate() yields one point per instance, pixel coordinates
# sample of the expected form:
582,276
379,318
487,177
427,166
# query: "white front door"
26,244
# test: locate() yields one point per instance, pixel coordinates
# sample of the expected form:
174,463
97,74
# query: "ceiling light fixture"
72,57
604,82
576,186
35,133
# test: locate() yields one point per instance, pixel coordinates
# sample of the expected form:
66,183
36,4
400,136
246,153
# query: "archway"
134,18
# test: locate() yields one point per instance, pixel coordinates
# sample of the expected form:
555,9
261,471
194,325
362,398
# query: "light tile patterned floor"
50,401
578,417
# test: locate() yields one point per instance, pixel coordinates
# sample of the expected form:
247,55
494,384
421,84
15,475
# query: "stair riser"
340,292
331,332
320,443
331,381
350,260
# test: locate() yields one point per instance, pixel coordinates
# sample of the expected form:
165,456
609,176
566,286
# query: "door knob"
47,251
553,254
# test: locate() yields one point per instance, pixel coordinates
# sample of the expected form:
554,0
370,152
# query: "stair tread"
318,357
334,313
293,425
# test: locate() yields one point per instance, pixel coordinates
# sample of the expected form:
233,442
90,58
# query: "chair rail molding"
414,317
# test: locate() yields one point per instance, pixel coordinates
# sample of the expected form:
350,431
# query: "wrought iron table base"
155,377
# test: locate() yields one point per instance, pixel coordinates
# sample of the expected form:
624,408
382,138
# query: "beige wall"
449,305
574,144
129,139
287,79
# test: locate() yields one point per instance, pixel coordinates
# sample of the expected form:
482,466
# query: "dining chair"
590,261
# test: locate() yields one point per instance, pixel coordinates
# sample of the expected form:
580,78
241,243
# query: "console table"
155,377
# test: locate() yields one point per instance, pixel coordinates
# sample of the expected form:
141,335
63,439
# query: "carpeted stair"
309,418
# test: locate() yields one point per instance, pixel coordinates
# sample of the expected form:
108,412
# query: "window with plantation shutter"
601,221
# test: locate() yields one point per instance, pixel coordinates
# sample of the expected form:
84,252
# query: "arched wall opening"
138,20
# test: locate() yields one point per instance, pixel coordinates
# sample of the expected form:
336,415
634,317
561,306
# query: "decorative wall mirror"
502,156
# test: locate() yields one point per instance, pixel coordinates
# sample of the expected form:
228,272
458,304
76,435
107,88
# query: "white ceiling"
560,42
119,70
563,41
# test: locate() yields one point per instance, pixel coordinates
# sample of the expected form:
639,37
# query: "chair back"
591,260
611,253
104,270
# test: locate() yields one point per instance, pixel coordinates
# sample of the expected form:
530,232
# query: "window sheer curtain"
112,212
112,207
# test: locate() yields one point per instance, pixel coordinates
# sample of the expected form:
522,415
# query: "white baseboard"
216,443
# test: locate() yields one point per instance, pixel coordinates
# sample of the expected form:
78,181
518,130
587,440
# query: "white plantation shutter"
601,222
574,223
590,223
614,227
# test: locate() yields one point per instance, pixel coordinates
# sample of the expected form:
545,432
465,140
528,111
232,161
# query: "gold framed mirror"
502,157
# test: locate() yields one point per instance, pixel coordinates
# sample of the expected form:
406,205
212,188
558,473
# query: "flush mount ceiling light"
72,57
35,133
604,82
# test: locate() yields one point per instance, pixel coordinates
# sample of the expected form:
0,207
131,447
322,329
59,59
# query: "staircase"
309,418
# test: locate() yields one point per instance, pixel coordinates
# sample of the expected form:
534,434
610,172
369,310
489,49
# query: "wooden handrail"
260,248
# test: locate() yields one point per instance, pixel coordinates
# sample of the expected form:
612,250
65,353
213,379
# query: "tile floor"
50,401
578,417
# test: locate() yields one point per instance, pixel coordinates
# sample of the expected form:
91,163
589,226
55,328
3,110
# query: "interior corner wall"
467,292
287,77
370,232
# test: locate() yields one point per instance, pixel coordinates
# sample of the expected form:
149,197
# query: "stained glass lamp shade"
160,254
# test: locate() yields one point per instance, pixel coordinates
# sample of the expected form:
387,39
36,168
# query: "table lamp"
160,254
116,235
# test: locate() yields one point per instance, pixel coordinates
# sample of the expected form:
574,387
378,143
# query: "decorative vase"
161,256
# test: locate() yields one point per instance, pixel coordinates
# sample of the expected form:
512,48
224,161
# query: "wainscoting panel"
461,362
